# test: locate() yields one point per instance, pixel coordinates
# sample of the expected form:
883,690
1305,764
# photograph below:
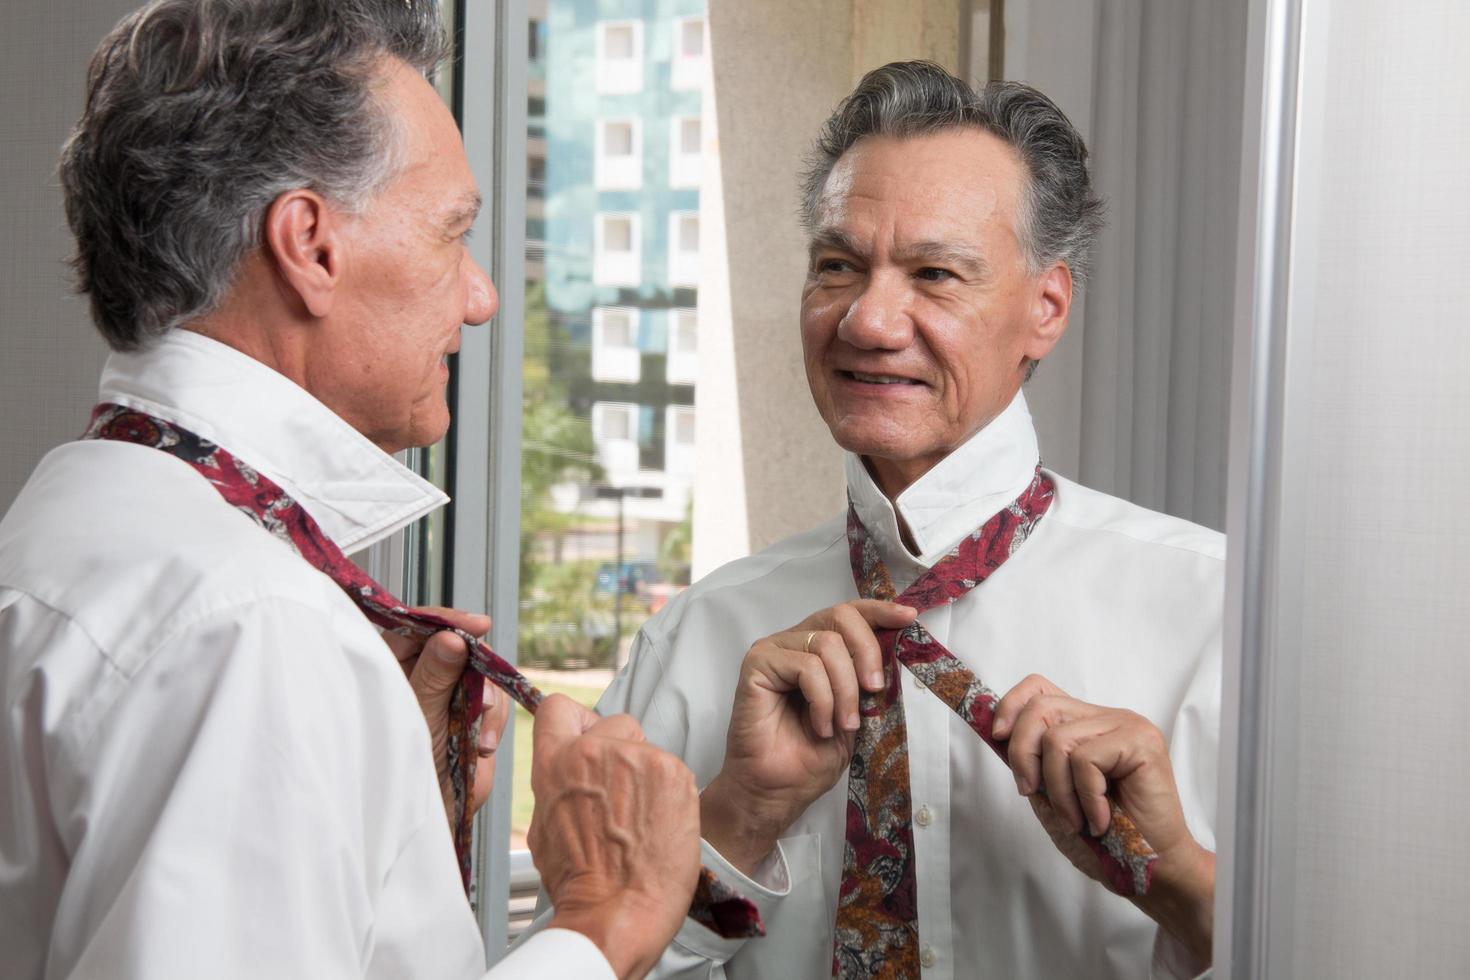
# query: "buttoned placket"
928,721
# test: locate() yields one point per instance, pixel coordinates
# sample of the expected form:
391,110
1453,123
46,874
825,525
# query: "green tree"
557,600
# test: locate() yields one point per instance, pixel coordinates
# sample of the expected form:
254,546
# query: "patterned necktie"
716,905
876,933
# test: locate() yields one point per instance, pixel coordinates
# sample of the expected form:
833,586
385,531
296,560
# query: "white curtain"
1135,399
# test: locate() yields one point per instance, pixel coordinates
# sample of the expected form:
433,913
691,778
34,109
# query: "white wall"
50,355
1363,864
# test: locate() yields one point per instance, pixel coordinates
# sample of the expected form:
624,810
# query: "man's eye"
932,274
466,235
833,265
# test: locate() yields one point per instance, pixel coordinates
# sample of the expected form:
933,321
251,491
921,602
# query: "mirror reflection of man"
949,232
210,764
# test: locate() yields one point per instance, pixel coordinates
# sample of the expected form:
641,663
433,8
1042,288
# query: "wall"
50,355
1370,625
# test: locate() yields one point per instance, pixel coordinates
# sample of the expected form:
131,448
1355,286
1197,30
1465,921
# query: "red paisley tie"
877,932
715,905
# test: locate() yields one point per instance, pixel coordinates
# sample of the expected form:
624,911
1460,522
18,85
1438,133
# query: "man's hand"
1075,752
615,832
433,668
793,725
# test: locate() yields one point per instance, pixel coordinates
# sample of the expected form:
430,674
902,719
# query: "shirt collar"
959,494
357,493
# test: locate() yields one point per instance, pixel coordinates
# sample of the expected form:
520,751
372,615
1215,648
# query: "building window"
615,433
684,248
686,151
683,363
619,57
679,440
688,55
617,260
618,160
615,354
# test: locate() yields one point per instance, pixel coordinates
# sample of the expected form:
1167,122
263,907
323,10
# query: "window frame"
620,76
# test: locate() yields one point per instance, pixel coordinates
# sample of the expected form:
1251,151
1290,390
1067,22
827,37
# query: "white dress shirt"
1117,605
210,763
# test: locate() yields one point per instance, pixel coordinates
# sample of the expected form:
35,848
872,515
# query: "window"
683,347
684,248
616,260
688,56
679,440
615,433
686,151
615,353
619,57
618,159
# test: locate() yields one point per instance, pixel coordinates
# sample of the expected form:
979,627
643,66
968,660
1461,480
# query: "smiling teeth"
879,379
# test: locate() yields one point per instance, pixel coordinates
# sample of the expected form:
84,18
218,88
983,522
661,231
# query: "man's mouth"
878,379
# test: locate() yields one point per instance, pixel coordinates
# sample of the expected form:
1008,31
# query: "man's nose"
482,300
878,318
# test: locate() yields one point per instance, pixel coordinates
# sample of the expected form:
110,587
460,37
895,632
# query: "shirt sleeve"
554,953
242,804
696,951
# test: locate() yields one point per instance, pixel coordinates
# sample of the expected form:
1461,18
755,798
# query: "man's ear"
1053,304
301,237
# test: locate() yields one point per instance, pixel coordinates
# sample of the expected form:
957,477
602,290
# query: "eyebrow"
966,259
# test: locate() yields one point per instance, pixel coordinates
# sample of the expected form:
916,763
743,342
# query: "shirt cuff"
772,883
554,953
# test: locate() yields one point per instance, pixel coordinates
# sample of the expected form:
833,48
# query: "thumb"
885,615
438,669
559,717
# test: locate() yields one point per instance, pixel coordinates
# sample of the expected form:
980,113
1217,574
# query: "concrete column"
767,466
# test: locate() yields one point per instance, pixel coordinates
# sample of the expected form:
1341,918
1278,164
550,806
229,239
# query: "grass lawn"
521,800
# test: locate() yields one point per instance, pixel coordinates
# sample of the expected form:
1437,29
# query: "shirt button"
924,818
926,955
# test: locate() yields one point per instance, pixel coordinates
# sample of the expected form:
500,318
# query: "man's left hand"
1076,753
433,667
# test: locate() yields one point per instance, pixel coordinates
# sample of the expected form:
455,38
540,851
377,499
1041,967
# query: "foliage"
558,607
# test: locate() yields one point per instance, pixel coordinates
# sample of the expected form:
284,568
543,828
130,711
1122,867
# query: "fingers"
782,670
475,624
559,717
1017,698
624,727
436,671
1068,775
1074,752
496,712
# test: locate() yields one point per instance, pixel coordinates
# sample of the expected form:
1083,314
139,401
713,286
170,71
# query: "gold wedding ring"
807,646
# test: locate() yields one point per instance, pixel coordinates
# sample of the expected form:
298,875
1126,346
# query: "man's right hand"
615,832
793,725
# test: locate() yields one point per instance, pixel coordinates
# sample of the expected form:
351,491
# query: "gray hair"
199,114
1060,216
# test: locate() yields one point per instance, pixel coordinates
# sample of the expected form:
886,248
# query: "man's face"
409,283
919,314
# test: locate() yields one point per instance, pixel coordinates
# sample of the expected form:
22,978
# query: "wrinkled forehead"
961,181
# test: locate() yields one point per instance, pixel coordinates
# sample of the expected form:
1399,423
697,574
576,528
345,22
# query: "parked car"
633,578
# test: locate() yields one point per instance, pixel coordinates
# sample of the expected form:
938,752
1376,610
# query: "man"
210,763
948,234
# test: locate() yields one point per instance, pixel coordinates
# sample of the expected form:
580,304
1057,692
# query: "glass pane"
608,433
619,44
618,139
692,38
